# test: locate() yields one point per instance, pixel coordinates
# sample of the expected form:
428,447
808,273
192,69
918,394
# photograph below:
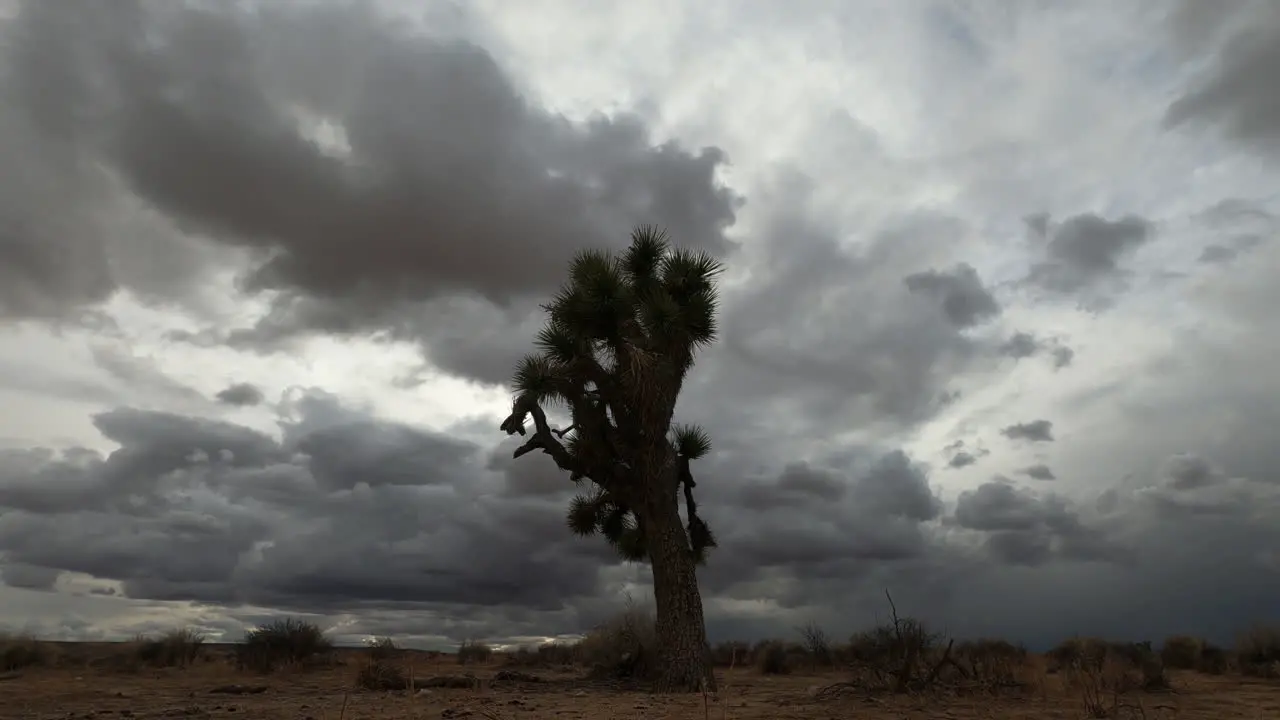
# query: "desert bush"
522,656
902,656
473,651
382,648
555,654
817,645
1091,668
281,641
1258,651
990,664
624,647
176,648
1103,673
1182,652
771,657
23,651
1075,650
733,653
1213,660
552,654
381,675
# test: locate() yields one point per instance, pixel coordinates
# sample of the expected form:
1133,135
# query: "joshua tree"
620,337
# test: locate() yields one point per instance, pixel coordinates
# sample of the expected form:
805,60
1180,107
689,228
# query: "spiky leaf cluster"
620,338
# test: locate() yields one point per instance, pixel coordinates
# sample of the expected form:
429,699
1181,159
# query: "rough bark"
683,656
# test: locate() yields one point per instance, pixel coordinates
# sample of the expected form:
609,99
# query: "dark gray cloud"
1085,250
1023,344
240,395
1039,471
832,335
473,544
962,459
1237,93
1218,254
1034,431
1062,356
29,577
1188,472
439,192
1038,223
343,510
1025,528
965,301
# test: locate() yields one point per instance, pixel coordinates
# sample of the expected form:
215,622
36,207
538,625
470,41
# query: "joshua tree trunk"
683,655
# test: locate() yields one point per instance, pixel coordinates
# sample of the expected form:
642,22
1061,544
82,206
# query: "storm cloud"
432,188
1085,250
1033,431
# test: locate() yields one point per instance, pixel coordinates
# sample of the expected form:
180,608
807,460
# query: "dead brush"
903,656
990,666
381,675
772,658
474,651
817,645
178,648
1258,651
623,648
1107,675
18,652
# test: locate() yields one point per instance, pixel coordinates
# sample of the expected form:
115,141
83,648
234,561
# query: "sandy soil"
108,693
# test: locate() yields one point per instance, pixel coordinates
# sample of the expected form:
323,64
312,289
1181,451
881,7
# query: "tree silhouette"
620,338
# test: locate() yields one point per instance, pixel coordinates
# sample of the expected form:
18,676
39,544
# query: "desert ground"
106,681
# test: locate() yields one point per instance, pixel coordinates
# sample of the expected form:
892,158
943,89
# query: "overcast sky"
999,321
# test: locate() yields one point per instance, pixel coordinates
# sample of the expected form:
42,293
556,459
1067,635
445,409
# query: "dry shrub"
772,657
991,664
522,657
1213,660
23,651
1103,673
557,654
176,648
817,645
473,651
381,675
383,648
731,654
900,657
281,641
1182,652
624,647
552,654
1258,651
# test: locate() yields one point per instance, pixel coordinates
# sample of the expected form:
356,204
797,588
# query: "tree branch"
547,440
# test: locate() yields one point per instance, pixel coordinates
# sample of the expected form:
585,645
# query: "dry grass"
898,670
409,685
